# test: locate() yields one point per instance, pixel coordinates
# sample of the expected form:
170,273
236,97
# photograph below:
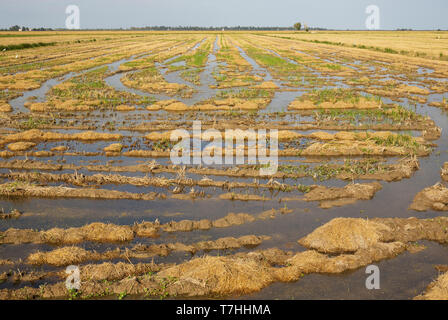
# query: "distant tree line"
19,28
178,28
234,28
297,26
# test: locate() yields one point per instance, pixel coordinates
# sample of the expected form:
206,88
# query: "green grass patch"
22,46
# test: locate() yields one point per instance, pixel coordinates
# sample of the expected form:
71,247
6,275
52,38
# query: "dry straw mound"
437,290
125,108
344,235
115,271
96,232
21,146
115,147
5,107
221,275
60,257
431,198
39,135
99,232
353,191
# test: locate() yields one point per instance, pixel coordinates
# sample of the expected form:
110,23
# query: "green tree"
298,26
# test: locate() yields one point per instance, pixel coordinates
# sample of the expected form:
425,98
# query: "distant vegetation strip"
26,45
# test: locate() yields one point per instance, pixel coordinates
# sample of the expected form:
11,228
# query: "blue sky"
337,14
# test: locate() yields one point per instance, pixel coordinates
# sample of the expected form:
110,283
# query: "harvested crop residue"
340,245
437,290
38,135
85,141
74,255
21,146
329,197
22,189
431,198
101,232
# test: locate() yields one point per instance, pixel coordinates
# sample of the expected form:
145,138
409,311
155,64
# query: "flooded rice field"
88,179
